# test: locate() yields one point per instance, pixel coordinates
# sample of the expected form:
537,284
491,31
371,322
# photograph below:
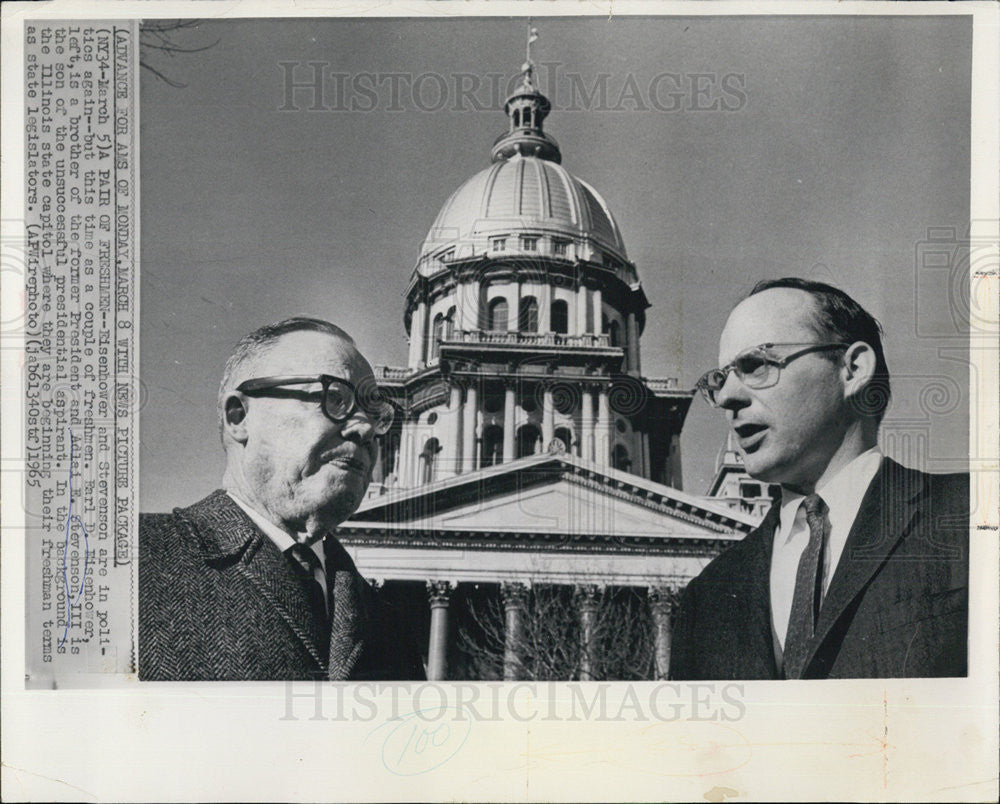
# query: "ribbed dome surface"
523,194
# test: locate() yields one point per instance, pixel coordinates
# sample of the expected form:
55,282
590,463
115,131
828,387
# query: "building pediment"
549,498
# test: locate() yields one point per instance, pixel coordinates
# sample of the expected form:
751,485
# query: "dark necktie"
307,566
808,589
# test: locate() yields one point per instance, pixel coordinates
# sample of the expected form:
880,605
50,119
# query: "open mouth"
750,435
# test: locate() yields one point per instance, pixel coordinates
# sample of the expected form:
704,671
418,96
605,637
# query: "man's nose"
733,393
359,426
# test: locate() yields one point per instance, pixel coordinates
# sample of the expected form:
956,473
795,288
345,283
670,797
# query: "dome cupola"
526,109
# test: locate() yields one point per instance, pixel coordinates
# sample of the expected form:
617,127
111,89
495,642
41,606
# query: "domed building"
524,315
530,448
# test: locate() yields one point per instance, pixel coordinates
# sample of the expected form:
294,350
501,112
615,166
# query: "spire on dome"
526,108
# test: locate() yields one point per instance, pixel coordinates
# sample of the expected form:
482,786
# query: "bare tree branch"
550,646
158,37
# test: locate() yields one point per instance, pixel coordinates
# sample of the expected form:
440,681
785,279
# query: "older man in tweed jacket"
248,583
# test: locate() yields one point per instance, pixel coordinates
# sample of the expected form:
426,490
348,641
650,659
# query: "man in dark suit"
250,583
860,570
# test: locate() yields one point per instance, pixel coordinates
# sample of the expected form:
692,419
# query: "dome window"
560,247
437,333
529,440
449,324
527,320
565,436
428,457
492,446
498,315
498,244
560,317
615,332
529,243
620,459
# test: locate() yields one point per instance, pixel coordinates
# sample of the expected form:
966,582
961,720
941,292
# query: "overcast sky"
842,142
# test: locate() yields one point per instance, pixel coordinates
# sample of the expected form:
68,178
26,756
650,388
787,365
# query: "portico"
552,519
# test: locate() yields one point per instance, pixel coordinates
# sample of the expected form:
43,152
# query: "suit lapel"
349,611
230,539
757,650
885,516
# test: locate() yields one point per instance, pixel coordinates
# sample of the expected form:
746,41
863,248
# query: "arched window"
428,459
498,315
560,316
437,331
492,449
564,435
449,324
604,323
529,440
527,319
620,458
615,331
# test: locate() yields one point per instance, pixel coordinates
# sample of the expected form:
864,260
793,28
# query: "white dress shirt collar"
842,494
281,538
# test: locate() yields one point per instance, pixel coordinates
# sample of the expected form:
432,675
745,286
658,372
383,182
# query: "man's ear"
235,413
858,369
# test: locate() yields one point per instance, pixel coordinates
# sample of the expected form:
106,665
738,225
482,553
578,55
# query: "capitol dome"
525,203
523,195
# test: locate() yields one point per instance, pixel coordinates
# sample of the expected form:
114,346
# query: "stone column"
439,593
403,460
598,309
515,603
581,310
662,600
587,424
545,309
588,601
378,471
508,422
471,410
602,451
451,454
548,416
632,329
417,324
468,309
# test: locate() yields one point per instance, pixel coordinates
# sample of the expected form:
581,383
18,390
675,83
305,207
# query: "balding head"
252,348
284,455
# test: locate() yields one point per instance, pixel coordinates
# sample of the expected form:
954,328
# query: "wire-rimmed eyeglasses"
757,367
339,398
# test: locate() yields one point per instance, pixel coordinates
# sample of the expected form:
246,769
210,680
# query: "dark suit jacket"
897,604
218,600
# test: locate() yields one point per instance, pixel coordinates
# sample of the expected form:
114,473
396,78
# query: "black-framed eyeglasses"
339,398
757,367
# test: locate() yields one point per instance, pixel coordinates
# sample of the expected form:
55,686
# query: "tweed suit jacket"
219,601
896,606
